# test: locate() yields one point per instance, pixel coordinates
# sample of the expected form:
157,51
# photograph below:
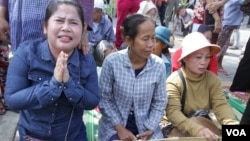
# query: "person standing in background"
171,8
209,12
124,8
232,17
162,7
235,39
241,80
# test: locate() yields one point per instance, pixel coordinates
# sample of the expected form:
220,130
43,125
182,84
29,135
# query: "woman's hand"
145,136
217,26
65,71
124,134
61,72
205,132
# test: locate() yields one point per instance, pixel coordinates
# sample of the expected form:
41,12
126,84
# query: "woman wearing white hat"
147,7
200,89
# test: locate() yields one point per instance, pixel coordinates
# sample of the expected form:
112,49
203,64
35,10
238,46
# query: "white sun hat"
146,6
195,41
99,4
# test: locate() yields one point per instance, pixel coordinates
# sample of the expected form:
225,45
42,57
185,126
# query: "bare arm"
217,19
214,6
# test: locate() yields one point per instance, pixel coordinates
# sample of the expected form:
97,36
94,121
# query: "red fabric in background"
124,8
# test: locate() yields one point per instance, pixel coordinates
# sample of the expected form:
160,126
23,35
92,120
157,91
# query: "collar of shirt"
165,59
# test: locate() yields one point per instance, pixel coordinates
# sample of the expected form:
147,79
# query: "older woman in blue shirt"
50,81
132,86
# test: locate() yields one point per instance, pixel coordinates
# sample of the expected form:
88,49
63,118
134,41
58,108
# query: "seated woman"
207,31
132,86
183,19
50,81
203,92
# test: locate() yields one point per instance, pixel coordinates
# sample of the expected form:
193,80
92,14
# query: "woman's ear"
185,59
128,41
44,28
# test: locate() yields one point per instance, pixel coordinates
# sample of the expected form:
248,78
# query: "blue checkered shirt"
120,89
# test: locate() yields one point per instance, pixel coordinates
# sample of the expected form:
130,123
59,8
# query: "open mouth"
65,38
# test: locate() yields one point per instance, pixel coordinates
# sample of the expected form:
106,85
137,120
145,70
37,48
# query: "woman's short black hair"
54,4
131,23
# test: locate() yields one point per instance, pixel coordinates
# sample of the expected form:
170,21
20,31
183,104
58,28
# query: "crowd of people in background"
68,57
